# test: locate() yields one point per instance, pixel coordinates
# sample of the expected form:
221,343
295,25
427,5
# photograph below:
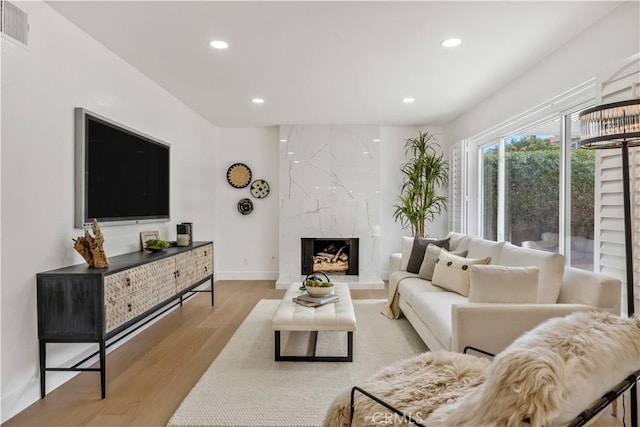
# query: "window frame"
560,108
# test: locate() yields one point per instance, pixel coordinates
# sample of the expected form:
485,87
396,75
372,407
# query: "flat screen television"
122,176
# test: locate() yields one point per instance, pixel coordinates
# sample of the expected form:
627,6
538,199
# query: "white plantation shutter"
609,213
619,84
457,187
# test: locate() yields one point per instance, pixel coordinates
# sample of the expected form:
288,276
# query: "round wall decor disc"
238,175
245,206
259,188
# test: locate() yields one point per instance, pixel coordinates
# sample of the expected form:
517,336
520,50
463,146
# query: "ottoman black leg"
348,358
277,343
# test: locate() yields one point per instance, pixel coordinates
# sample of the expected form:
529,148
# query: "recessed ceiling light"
290,153
296,161
283,140
257,101
451,42
365,152
218,44
376,140
408,100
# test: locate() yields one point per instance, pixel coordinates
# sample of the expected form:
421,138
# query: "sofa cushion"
550,266
452,272
405,249
412,288
458,239
429,262
500,284
481,248
586,287
434,309
417,251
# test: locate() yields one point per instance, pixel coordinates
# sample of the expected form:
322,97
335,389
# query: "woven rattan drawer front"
161,282
185,266
204,262
125,282
126,308
157,276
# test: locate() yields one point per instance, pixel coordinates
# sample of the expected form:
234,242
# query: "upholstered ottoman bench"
337,316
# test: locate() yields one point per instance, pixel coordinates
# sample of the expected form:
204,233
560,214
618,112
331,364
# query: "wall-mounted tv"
122,176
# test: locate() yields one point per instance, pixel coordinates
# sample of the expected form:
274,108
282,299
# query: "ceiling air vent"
14,23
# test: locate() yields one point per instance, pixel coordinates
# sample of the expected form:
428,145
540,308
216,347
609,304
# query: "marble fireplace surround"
329,188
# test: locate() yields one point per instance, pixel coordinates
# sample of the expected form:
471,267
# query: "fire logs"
328,262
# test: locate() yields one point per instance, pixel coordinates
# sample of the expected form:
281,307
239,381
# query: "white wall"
61,69
608,41
247,245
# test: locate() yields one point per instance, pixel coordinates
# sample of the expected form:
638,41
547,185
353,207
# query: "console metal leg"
103,369
43,364
212,292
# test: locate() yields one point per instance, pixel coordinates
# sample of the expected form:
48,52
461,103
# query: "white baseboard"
246,275
268,275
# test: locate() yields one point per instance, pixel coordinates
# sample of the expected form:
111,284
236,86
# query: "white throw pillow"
500,284
430,258
458,239
479,248
550,265
452,272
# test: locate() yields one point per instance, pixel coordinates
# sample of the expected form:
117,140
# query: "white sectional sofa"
447,320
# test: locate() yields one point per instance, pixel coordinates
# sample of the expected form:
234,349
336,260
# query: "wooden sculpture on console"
91,248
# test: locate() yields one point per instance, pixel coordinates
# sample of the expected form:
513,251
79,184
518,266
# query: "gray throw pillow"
417,251
431,258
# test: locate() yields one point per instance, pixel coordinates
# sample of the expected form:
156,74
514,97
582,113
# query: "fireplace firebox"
337,256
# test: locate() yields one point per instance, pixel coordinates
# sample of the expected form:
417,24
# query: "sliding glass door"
532,185
489,158
580,246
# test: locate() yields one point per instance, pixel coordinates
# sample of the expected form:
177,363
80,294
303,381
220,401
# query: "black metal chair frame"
585,416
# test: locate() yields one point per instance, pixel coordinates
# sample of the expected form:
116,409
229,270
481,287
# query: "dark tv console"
79,304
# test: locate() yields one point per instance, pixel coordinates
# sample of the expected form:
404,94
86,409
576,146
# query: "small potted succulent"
155,245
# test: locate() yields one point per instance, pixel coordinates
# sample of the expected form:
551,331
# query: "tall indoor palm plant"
425,175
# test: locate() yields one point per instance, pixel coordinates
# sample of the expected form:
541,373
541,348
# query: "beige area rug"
244,386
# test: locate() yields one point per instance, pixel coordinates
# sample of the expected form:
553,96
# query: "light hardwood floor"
150,375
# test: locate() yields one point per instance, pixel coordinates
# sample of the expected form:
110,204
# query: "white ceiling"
334,62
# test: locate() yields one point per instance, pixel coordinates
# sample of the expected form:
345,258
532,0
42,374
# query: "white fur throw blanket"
416,386
544,378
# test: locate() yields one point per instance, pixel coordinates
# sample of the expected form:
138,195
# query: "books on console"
309,301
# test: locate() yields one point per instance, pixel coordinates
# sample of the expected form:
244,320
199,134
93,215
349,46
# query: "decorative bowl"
154,249
319,291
